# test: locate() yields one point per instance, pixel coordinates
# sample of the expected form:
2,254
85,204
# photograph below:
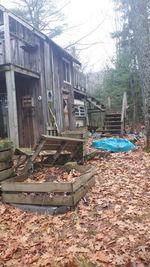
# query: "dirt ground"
112,228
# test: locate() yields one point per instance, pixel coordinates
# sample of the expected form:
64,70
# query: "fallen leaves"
102,257
113,230
53,174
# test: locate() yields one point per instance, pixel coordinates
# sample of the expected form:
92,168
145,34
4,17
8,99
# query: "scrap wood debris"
113,230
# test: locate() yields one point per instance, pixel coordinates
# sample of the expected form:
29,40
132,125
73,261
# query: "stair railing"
123,112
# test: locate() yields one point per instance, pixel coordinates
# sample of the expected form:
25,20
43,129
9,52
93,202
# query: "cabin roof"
40,34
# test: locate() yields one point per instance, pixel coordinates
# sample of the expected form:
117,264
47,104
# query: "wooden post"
7,38
12,107
123,113
10,86
109,102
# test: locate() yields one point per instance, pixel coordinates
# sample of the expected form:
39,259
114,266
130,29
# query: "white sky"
87,15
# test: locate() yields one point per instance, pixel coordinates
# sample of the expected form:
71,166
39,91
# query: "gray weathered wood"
35,154
36,187
83,179
37,199
5,165
12,106
57,154
63,138
5,174
7,38
16,190
5,155
83,190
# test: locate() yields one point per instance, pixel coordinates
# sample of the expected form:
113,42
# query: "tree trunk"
140,26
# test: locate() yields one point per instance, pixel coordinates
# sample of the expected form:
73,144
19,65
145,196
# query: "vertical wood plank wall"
23,48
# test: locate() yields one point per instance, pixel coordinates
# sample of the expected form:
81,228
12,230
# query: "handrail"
123,112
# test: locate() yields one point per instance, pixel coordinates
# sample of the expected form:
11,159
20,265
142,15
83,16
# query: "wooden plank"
27,25
62,138
83,190
56,146
13,179
5,174
35,154
36,187
26,72
7,38
57,154
12,106
5,155
43,200
24,151
2,149
83,179
5,165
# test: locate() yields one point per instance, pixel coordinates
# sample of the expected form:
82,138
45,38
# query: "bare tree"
42,14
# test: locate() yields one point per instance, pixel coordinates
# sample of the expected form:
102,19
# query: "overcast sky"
88,15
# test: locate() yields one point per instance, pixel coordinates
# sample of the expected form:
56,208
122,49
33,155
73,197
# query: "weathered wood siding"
37,65
57,90
61,88
25,47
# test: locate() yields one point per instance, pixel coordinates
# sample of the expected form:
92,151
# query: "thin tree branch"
83,37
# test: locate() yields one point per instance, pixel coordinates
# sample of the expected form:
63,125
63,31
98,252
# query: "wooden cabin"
39,92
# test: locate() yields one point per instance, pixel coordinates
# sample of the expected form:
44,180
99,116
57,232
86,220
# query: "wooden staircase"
97,105
112,123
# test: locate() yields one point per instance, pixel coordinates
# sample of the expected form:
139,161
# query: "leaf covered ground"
111,229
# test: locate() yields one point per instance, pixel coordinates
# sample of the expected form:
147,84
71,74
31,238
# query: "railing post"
123,113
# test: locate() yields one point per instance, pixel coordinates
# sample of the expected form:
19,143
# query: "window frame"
80,113
66,71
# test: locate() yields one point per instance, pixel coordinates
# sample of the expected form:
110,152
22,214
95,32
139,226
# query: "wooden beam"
36,187
7,38
37,199
26,72
5,174
57,154
12,107
27,25
35,154
94,111
4,67
19,69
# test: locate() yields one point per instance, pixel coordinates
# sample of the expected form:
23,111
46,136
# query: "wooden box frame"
15,190
6,169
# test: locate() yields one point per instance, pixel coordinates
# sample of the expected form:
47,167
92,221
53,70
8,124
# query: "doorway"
29,110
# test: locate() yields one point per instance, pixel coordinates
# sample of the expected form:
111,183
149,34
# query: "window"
80,111
66,71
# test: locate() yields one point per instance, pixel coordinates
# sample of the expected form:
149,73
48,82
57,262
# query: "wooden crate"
15,190
6,169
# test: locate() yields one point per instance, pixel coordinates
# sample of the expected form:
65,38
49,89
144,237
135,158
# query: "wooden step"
113,115
113,120
112,124
113,127
112,130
